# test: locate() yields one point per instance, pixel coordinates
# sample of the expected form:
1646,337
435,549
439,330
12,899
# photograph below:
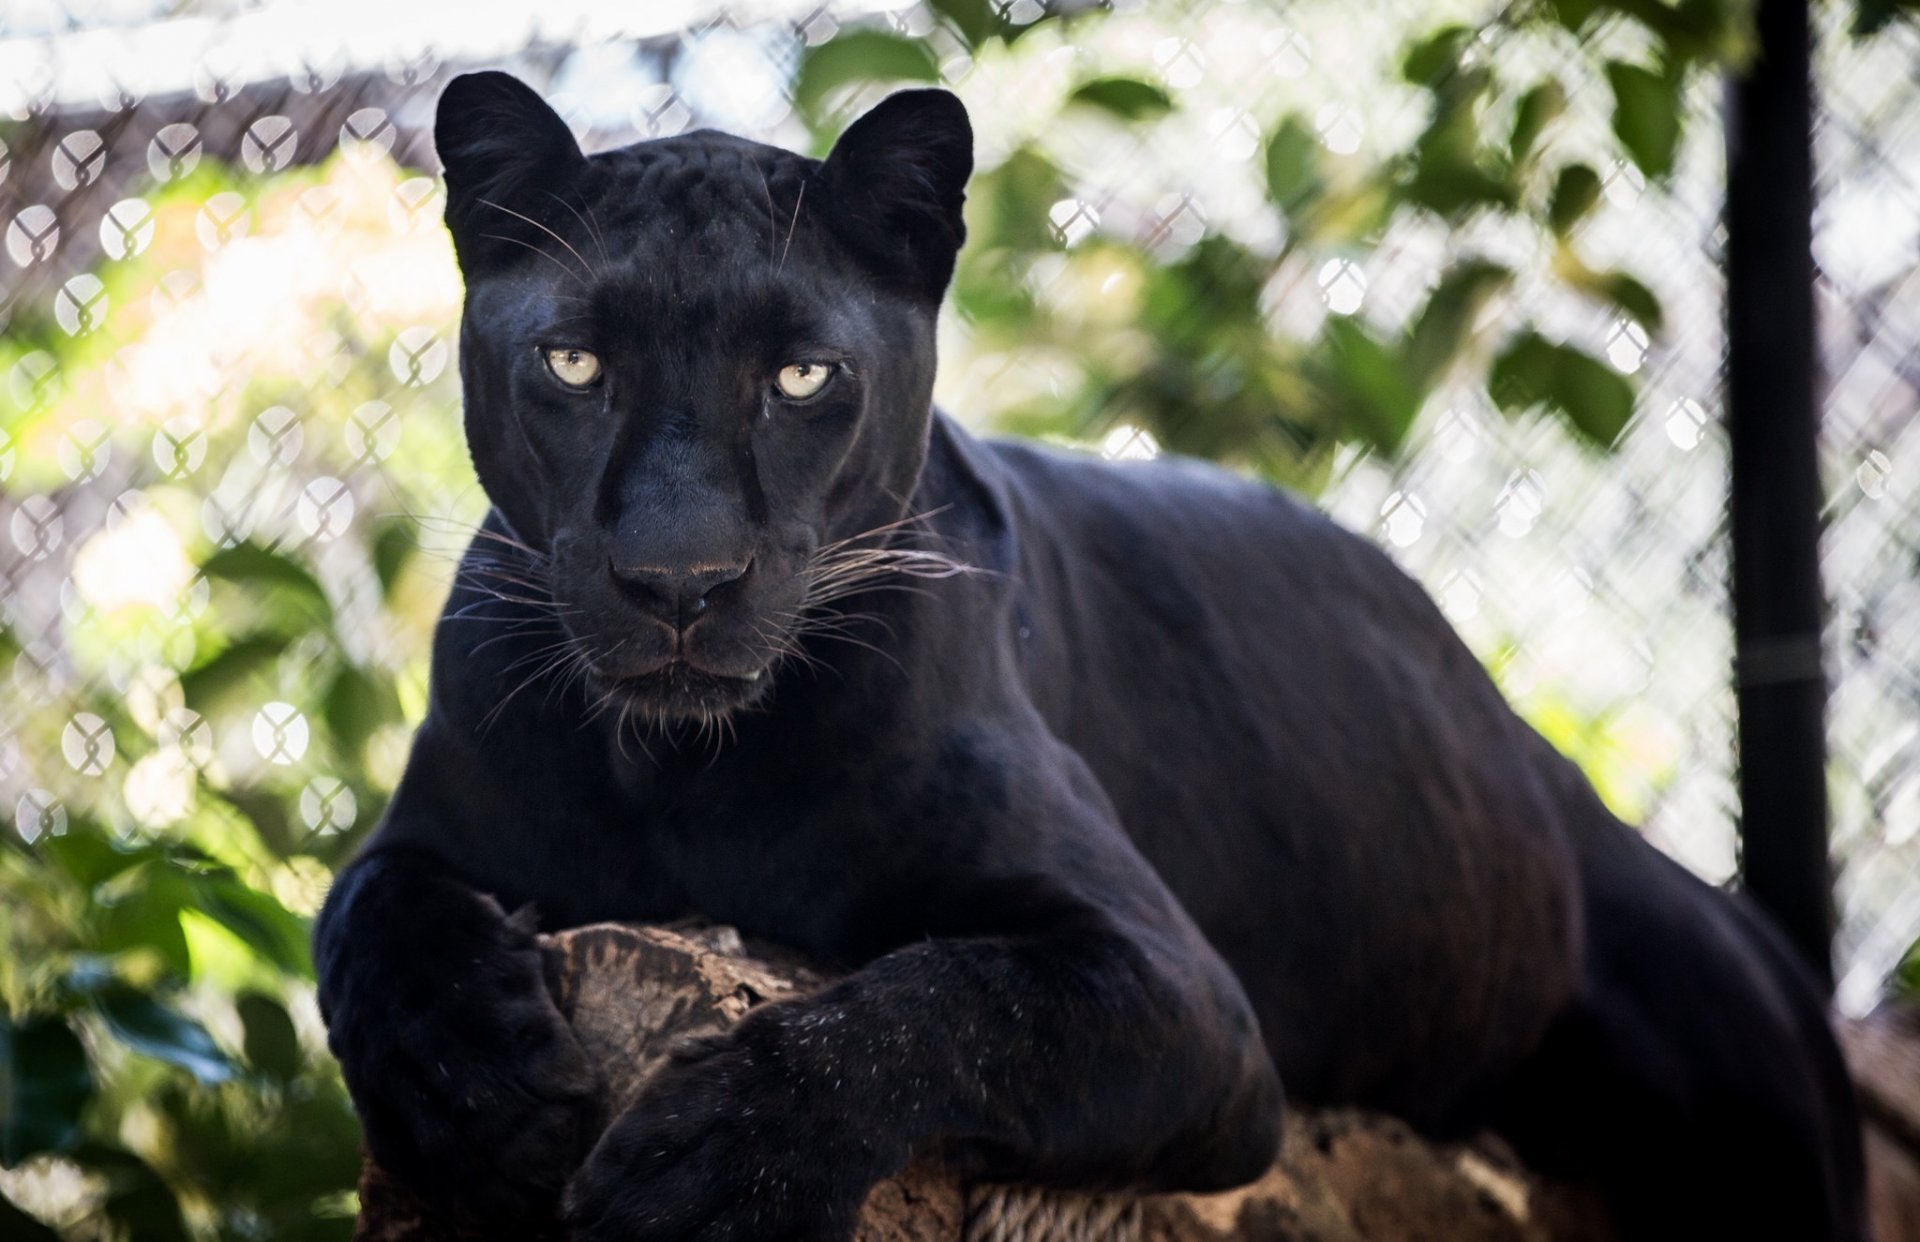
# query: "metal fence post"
1772,424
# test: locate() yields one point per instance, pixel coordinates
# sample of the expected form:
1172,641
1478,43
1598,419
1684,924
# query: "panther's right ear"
899,178
508,159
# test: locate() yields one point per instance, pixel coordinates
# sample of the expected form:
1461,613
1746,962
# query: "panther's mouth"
681,691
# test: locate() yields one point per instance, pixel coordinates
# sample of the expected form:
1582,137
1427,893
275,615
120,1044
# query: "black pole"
1772,426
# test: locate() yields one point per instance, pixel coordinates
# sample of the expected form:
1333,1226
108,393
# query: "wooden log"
632,993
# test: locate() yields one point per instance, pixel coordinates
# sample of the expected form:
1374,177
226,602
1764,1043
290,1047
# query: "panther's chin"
678,692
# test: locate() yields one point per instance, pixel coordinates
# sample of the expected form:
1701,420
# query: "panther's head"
698,371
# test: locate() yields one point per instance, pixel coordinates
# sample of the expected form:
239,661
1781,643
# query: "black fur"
1124,792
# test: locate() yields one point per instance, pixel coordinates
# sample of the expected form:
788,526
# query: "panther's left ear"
898,177
508,157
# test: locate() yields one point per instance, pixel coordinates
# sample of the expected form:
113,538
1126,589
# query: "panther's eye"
576,368
799,380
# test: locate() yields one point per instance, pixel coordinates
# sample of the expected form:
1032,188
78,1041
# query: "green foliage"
1445,326
154,935
1389,379
1646,115
271,1044
1127,98
1194,345
1905,982
147,1025
1872,16
1537,109
860,56
1533,371
45,1082
1575,191
1294,179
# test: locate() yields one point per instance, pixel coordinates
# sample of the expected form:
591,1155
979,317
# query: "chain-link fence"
1867,245
228,362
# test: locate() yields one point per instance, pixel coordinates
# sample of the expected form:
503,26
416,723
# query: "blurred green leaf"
1631,296
1870,17
1007,210
149,918
272,1046
206,1138
90,858
1127,98
1371,386
1348,216
1523,373
1575,191
1436,57
261,569
1450,185
1451,170
265,808
45,1084
357,704
1198,302
1688,30
395,540
1906,976
227,671
315,1151
1293,166
860,55
154,1029
1646,115
261,921
1534,371
138,1200
976,20
1537,109
1446,322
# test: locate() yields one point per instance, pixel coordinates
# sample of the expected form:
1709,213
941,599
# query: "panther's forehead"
704,193
701,233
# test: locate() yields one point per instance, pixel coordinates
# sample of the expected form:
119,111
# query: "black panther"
1124,793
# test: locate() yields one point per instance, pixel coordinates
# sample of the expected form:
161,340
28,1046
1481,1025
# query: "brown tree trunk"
632,992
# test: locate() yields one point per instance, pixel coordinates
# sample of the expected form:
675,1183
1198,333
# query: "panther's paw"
724,1147
472,1092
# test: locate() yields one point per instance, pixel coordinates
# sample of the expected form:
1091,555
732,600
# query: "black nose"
676,594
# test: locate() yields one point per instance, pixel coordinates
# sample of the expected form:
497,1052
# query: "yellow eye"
576,368
799,380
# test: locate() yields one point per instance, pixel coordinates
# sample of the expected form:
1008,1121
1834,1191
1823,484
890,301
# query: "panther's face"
695,369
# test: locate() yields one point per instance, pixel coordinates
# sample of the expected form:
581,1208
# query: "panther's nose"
676,594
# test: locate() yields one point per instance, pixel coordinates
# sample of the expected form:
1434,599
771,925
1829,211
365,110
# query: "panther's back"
1320,769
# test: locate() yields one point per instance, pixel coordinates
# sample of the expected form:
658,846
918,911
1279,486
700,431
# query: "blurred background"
1452,268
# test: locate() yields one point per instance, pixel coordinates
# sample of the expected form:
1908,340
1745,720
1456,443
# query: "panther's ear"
505,152
898,177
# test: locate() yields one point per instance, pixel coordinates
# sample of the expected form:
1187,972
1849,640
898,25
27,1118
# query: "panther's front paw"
473,1093
724,1148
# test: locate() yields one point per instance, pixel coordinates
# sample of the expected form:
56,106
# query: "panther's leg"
1696,1078
468,1083
1047,1011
